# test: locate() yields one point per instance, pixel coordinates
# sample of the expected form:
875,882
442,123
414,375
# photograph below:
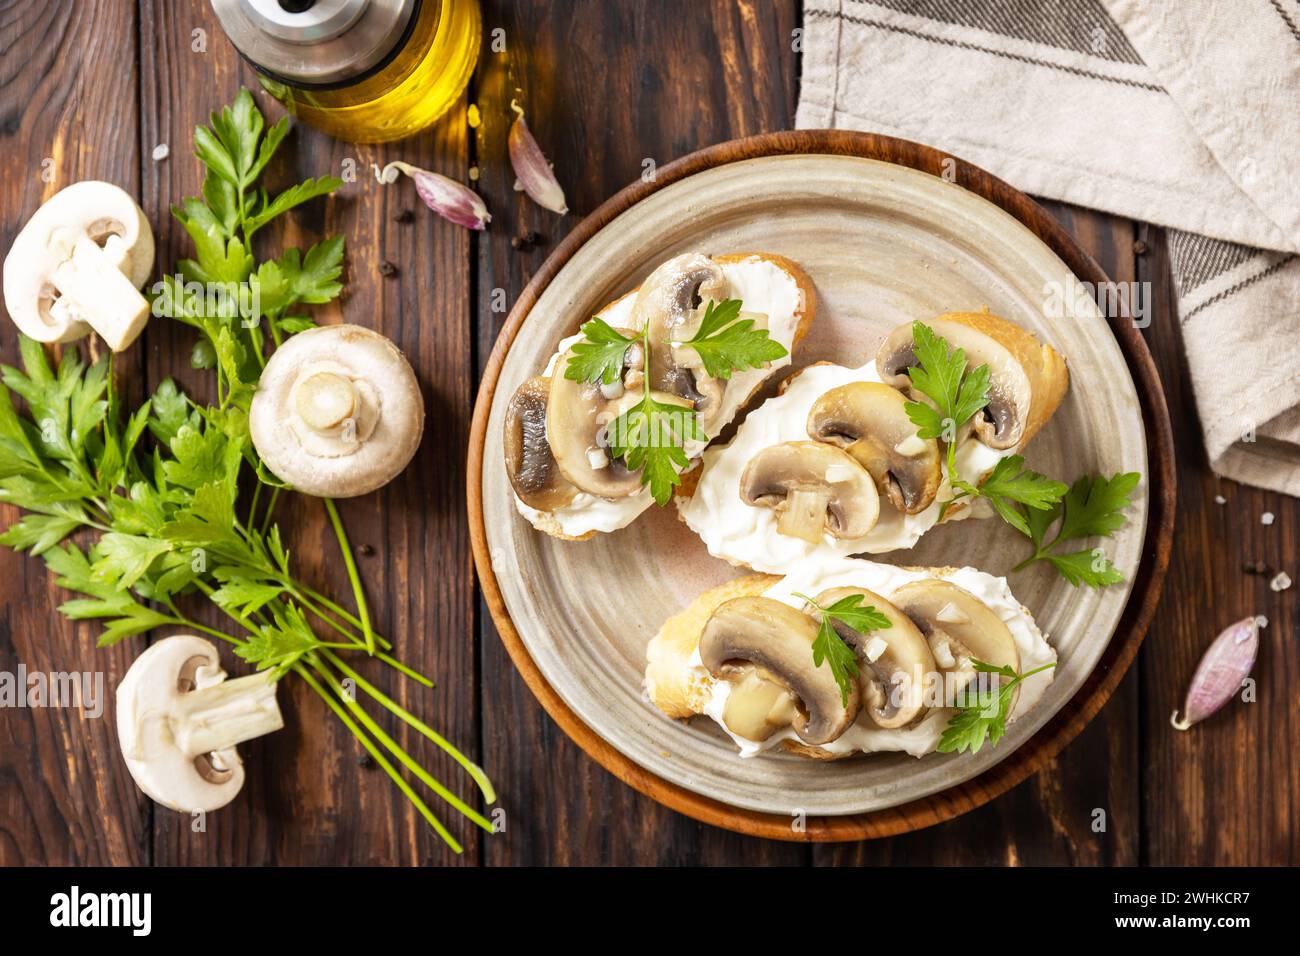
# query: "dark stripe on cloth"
1082,26
1286,18
879,25
1239,286
1197,259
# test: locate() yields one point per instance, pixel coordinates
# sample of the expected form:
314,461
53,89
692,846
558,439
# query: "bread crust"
547,522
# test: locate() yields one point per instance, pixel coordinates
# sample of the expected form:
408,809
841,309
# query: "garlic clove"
453,201
1219,675
535,174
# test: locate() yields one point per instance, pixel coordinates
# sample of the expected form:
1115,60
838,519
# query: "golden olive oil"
367,71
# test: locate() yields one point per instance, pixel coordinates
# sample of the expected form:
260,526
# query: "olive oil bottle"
367,71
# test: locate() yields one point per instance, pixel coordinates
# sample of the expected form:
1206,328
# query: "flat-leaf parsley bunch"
158,489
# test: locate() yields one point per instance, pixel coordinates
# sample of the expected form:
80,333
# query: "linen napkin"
1183,113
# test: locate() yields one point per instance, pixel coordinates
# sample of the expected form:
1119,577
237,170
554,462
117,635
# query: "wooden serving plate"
884,244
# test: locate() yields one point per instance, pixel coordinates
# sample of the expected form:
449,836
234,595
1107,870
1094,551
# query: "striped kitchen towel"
1183,113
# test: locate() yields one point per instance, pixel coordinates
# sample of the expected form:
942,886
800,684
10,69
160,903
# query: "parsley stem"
357,590
473,769
270,509
378,757
392,747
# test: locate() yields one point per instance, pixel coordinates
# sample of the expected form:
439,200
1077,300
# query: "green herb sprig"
984,716
830,648
1028,501
651,436
157,491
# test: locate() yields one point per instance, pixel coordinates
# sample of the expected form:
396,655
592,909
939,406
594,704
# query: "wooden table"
90,87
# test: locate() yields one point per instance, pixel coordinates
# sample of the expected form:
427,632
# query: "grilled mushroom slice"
534,475
764,648
814,489
1001,424
869,421
893,662
576,416
958,626
667,303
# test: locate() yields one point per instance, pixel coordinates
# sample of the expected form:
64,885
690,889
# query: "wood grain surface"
608,86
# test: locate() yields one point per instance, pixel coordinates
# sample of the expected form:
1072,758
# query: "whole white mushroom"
338,411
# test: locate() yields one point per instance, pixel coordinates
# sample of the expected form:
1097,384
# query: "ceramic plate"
884,244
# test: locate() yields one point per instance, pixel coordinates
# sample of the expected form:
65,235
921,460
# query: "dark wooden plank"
1048,819
1223,793
308,799
67,107
602,106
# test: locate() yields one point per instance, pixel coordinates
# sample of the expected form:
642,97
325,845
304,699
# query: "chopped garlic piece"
597,458
943,655
911,446
875,647
951,614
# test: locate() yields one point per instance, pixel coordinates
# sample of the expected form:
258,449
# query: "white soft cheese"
884,579
762,287
747,534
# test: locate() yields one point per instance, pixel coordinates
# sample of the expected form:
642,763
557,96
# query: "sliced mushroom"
764,648
179,719
668,302
337,412
1001,424
893,663
78,264
814,488
534,475
869,421
958,626
577,415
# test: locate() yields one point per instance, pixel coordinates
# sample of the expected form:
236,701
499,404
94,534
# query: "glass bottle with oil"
367,71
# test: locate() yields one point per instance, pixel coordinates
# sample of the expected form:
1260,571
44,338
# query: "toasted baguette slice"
680,688
548,523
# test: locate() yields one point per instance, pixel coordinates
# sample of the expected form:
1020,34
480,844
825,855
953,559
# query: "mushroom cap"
157,761
577,414
894,683
1000,424
104,212
869,421
774,473
942,611
322,455
766,633
530,463
666,303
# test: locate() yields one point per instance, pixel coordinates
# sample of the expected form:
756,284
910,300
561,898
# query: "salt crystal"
1281,582
1220,500
160,152
1266,518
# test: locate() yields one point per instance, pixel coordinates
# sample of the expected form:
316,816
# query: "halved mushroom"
869,421
814,488
1002,422
892,663
78,264
337,412
534,475
179,719
577,416
958,626
764,648
667,302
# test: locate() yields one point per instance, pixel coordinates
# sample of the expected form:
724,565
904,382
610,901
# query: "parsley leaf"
600,357
650,436
985,716
832,649
725,345
1010,483
1091,507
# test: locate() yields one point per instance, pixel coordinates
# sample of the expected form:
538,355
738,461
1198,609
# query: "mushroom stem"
223,715
805,513
324,400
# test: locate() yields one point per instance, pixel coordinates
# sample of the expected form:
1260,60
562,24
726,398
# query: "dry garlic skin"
338,412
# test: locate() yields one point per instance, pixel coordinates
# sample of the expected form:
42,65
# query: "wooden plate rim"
1035,753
